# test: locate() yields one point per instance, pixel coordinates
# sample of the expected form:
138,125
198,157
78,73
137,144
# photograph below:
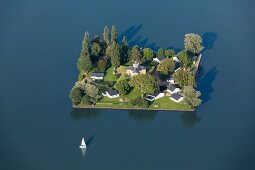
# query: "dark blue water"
40,43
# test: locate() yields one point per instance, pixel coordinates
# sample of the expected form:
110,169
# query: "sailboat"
83,144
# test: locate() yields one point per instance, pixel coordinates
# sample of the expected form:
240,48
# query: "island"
113,75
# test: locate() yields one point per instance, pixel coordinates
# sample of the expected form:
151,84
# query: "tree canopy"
85,45
84,64
148,53
114,34
75,95
193,43
185,61
169,53
145,82
114,53
122,86
191,96
135,54
166,67
160,52
184,78
106,35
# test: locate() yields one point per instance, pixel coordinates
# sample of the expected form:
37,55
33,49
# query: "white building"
176,97
176,59
173,89
159,59
155,96
170,80
97,76
111,94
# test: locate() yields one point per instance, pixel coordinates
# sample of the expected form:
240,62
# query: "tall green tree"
184,78
85,45
84,64
122,86
166,67
124,50
169,53
106,35
191,96
193,43
114,34
95,52
92,91
145,82
185,61
114,53
101,65
148,53
135,54
160,52
75,95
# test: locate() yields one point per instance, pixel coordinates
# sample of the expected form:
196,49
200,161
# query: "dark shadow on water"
134,39
88,142
142,115
209,39
205,84
189,119
78,114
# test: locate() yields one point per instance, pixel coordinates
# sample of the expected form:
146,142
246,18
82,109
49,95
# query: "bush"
140,102
75,95
122,86
86,100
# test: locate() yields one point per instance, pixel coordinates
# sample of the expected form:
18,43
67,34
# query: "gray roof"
97,74
113,92
171,87
176,96
160,58
135,70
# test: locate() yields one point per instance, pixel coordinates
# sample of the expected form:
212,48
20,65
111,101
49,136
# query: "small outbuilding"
97,76
173,88
159,59
111,94
176,97
176,59
155,96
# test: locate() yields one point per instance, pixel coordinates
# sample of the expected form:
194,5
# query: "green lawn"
110,76
133,94
167,103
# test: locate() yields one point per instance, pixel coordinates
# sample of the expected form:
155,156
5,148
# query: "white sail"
83,144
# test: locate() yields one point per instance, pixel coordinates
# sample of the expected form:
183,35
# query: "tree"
185,61
122,86
86,100
114,34
166,67
124,50
184,78
135,54
85,45
114,53
106,35
91,91
193,43
101,65
169,53
84,64
95,51
191,96
148,53
160,52
140,102
75,95
145,82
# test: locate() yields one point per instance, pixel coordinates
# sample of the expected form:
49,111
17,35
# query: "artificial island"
114,75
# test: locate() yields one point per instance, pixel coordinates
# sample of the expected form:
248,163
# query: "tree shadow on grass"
205,84
78,114
189,119
142,115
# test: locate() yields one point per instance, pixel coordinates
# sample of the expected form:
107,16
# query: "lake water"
40,44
